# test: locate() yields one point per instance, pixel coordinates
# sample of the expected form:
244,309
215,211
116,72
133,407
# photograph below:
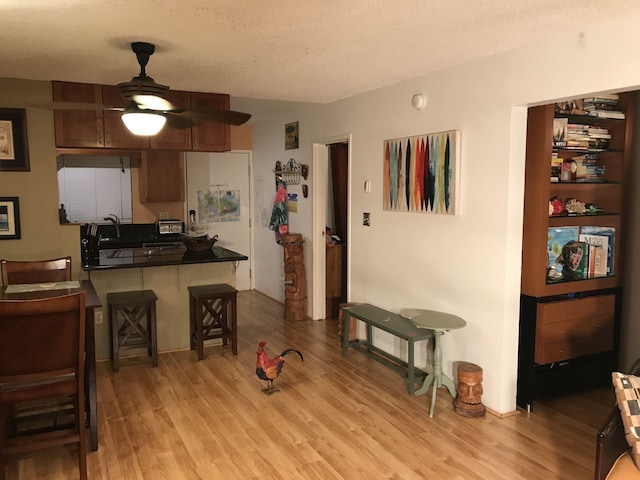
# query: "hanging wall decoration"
422,173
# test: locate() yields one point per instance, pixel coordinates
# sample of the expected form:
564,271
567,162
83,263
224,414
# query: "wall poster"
218,206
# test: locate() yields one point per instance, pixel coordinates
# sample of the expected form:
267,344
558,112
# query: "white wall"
468,265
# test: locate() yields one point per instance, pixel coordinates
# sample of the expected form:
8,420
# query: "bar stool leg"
202,313
115,350
234,325
154,338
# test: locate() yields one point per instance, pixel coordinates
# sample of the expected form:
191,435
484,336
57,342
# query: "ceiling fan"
148,109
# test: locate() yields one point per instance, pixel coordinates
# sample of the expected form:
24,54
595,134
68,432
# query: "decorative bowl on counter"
201,243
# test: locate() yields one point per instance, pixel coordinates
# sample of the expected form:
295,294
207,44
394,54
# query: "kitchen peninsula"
167,268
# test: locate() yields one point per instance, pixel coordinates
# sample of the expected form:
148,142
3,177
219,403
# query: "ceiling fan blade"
177,120
79,106
220,116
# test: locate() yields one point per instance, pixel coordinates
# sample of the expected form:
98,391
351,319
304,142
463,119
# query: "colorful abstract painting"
421,173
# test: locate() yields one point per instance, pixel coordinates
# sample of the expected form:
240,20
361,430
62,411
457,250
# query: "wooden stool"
469,400
213,314
133,306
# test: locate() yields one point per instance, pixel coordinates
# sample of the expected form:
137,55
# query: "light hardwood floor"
333,418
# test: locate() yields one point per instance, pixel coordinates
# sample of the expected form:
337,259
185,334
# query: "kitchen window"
91,187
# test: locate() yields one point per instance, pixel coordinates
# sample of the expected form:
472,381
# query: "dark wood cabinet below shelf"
567,343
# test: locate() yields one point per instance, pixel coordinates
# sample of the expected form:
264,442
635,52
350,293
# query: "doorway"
336,238
331,208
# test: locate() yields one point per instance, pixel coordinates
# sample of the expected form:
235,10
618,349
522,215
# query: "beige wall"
37,190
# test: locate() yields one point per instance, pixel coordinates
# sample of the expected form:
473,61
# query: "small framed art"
9,218
14,150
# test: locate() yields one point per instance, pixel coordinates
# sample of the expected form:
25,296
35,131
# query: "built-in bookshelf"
573,180
578,160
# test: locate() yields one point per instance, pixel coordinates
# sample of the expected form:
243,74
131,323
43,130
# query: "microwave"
170,227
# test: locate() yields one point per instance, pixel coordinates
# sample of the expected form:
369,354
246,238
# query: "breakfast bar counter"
168,270
157,256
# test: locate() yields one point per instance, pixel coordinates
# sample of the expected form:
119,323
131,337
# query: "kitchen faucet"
116,222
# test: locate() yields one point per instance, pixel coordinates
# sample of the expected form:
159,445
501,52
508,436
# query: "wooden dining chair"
42,349
35,271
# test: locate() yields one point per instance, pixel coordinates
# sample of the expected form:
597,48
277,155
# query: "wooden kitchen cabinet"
116,134
173,138
92,128
105,129
208,136
78,128
162,176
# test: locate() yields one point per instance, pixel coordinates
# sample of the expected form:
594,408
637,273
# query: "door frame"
320,166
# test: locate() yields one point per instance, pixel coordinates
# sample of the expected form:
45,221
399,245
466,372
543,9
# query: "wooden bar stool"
133,307
213,314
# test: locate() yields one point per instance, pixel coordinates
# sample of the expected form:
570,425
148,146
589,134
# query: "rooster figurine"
269,368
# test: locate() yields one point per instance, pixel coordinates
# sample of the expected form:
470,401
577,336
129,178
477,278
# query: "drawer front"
582,327
576,309
577,347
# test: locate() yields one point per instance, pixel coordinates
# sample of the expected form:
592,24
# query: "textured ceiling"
305,50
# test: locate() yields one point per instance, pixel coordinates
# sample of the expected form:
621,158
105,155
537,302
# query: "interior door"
218,191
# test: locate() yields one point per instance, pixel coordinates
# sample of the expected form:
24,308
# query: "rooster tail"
289,350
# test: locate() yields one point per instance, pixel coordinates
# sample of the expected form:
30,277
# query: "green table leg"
410,368
437,378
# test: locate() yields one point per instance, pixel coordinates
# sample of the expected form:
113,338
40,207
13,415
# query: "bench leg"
345,333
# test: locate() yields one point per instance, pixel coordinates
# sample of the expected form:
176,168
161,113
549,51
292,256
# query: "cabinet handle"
562,351
563,332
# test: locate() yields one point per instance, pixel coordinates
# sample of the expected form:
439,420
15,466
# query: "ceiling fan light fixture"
146,124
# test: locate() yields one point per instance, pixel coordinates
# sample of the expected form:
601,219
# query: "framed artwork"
9,218
422,173
14,150
291,136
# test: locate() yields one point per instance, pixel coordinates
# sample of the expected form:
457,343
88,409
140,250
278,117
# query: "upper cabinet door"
173,138
210,136
78,128
116,134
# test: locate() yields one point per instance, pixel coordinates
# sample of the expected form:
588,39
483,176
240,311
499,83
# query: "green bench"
394,324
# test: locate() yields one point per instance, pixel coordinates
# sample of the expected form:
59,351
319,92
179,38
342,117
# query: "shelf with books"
573,231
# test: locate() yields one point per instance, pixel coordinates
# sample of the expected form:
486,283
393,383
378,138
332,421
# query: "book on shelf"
610,234
616,114
557,238
601,242
560,132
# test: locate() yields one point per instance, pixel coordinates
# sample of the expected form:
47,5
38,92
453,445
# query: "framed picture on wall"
9,218
14,150
291,136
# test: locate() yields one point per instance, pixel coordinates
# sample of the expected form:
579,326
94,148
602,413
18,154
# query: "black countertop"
158,256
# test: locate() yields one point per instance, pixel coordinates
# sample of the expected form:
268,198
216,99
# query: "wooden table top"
92,299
